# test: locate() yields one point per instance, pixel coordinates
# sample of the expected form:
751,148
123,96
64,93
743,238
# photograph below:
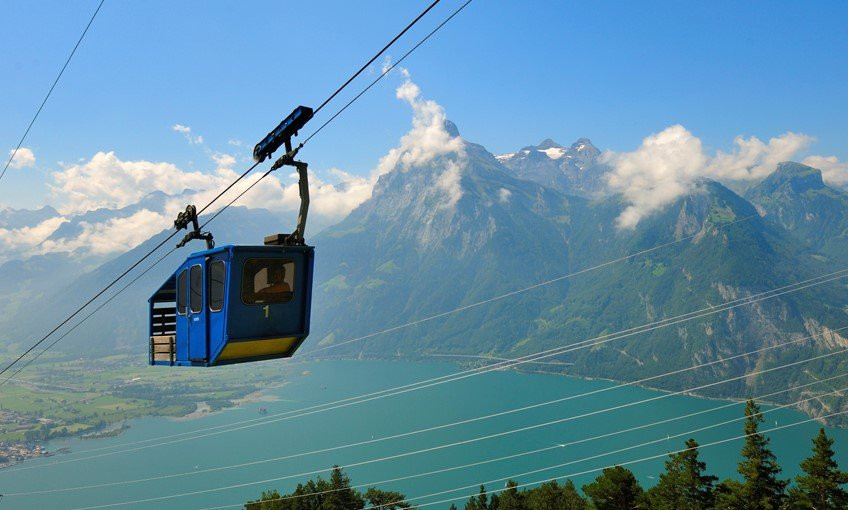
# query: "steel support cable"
210,203
595,470
78,324
521,454
386,71
394,328
377,55
61,72
594,342
466,421
462,442
554,447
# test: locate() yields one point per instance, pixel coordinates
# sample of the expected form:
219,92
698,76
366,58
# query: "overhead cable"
61,72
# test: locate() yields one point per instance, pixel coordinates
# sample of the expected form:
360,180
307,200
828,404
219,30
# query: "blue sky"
508,73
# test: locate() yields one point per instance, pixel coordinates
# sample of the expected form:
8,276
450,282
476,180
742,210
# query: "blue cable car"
235,304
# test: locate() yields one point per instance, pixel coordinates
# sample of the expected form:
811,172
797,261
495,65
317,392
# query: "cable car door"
198,345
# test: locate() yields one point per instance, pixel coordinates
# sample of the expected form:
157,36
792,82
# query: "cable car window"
217,274
267,281
195,300
181,292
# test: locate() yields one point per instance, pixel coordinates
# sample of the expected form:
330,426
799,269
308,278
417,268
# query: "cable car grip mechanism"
182,222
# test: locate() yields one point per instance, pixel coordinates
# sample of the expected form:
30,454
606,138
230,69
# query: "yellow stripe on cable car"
256,348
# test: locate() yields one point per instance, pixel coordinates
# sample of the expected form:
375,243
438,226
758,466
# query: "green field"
61,397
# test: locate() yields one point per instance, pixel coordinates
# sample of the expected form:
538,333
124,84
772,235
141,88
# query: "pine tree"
571,499
684,485
342,496
761,488
510,498
494,502
387,500
268,501
820,488
615,489
478,502
550,496
482,500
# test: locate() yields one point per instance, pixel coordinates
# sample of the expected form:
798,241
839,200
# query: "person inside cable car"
277,289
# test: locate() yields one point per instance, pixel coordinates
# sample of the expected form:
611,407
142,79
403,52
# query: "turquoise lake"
321,382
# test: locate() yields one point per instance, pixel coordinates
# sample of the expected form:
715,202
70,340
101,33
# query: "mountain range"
444,235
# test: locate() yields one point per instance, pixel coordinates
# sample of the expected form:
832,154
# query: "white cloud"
428,137
107,181
234,142
186,131
755,159
669,164
29,237
223,161
24,157
834,172
387,64
112,236
449,183
503,195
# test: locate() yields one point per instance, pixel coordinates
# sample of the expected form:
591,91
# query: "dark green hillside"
729,257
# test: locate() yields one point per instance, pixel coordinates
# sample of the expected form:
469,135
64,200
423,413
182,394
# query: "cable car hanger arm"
295,238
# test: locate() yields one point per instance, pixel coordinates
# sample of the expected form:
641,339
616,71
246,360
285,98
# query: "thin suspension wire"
377,55
228,188
61,72
78,324
471,373
458,443
595,470
386,71
548,282
471,420
541,450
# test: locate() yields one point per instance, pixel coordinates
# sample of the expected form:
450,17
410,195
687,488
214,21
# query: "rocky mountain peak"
451,128
585,149
790,178
547,143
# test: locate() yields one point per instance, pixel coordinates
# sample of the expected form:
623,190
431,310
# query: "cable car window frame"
221,288
191,287
245,278
182,295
